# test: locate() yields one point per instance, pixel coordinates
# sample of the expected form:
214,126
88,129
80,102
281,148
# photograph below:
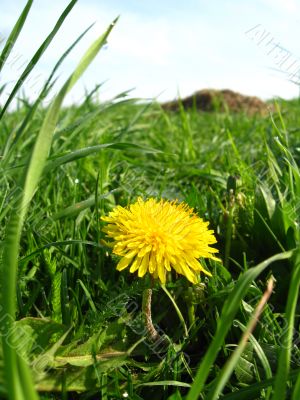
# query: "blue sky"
162,48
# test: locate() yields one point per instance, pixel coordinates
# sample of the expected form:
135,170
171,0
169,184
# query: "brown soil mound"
221,100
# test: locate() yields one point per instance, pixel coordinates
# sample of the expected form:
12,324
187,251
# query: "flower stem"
146,308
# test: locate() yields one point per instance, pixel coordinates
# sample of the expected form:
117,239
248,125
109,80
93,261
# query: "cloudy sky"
162,48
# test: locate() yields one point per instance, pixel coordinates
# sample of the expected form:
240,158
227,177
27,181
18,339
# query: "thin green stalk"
180,316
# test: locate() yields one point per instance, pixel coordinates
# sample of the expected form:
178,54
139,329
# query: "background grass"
76,321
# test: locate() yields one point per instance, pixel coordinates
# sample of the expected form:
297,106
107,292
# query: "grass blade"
285,353
252,391
14,34
37,56
224,323
229,366
81,153
14,137
44,139
296,392
13,365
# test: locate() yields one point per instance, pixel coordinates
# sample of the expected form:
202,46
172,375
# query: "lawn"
72,325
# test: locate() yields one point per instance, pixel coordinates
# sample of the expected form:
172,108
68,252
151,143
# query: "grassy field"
72,326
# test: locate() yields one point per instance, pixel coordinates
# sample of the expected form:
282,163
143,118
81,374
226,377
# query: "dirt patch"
221,100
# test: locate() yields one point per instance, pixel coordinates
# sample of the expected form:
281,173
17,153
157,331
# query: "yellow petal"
152,263
144,266
205,271
191,276
161,273
136,264
123,263
167,264
144,250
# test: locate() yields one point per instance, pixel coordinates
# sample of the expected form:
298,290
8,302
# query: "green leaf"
34,334
265,202
106,360
244,369
78,379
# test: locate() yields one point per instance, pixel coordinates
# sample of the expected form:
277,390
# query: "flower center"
156,238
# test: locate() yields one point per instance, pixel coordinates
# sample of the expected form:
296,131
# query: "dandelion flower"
155,236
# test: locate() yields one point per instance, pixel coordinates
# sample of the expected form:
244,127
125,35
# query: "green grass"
71,324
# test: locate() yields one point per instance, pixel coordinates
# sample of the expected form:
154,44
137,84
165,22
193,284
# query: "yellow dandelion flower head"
157,235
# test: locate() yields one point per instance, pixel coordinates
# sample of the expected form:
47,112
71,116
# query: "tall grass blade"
229,310
37,57
14,34
13,366
44,139
14,137
286,348
229,366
